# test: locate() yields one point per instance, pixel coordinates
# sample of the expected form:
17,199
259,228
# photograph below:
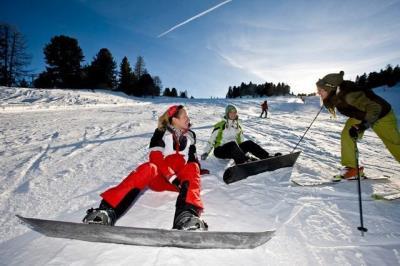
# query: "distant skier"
172,166
365,110
264,109
227,140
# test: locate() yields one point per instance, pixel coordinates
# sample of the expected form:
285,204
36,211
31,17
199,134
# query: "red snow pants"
147,175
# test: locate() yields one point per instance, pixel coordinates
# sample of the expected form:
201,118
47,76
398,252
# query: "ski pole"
307,129
361,227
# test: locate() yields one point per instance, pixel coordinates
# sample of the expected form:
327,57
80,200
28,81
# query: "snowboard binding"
100,216
188,221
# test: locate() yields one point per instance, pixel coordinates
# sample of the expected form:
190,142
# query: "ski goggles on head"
173,110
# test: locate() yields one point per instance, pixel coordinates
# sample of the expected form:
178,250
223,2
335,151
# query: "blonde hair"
329,105
164,120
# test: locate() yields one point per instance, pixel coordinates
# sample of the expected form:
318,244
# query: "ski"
148,236
331,181
384,196
364,177
312,183
389,191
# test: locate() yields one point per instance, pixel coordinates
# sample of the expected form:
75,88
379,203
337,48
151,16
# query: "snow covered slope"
20,100
60,149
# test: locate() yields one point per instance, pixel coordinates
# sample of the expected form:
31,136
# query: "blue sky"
205,46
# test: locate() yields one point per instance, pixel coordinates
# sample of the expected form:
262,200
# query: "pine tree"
23,84
183,94
147,87
230,93
396,74
388,76
362,80
167,92
63,57
102,70
140,68
13,55
266,89
158,84
174,93
126,77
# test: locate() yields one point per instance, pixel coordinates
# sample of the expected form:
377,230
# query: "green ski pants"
387,130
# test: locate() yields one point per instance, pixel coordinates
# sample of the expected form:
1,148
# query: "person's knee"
191,173
248,143
143,175
193,168
151,168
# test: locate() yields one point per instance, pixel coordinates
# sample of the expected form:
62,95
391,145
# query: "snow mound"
27,99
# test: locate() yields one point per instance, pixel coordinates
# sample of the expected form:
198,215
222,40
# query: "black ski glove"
355,130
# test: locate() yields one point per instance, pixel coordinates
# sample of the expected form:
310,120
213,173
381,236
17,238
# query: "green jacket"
224,132
358,103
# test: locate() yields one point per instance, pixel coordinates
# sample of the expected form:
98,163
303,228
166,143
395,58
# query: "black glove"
355,130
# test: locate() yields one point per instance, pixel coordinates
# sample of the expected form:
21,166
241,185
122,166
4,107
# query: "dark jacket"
359,103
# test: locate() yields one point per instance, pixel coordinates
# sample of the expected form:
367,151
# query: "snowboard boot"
349,173
187,220
102,215
277,154
187,215
250,158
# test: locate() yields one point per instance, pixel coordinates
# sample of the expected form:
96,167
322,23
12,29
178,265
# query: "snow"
61,148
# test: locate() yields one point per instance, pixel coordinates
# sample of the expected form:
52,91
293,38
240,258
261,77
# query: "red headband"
172,110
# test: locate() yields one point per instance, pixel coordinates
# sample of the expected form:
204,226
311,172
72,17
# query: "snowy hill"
61,148
19,100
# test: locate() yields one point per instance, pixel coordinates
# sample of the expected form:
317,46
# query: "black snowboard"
148,236
242,171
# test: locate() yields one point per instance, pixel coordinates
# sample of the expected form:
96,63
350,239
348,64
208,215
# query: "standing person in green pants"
365,110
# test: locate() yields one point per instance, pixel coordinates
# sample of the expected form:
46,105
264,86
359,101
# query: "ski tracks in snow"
21,182
31,165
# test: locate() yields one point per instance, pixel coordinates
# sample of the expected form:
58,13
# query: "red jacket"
264,105
164,144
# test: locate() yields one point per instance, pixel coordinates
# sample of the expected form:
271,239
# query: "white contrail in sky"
193,18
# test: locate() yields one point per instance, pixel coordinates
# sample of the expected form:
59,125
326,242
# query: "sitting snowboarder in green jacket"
365,110
227,140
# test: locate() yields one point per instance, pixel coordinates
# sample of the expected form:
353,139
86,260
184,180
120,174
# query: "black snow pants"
237,152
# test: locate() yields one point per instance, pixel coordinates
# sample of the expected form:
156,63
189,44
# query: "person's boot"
251,158
349,173
188,220
277,154
104,215
187,215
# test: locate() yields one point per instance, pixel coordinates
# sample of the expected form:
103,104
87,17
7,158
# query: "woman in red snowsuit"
172,166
